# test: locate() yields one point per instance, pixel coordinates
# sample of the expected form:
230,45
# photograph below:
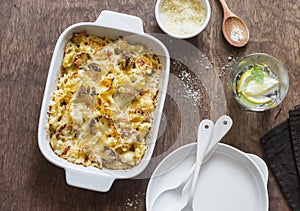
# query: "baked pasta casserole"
102,108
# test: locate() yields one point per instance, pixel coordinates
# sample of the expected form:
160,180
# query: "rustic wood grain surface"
28,34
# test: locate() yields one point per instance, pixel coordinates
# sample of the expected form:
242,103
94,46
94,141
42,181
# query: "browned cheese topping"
102,108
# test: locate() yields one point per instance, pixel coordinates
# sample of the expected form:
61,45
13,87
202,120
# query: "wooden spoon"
234,28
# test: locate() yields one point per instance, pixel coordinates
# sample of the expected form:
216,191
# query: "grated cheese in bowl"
182,18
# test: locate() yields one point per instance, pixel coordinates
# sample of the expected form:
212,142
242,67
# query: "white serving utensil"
204,152
222,126
205,132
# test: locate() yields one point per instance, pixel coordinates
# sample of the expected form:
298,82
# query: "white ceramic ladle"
205,133
222,126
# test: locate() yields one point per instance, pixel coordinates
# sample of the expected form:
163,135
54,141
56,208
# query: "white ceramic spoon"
221,128
204,137
170,196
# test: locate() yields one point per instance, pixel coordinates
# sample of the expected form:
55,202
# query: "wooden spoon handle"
227,12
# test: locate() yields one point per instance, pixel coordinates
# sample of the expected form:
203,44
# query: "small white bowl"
199,29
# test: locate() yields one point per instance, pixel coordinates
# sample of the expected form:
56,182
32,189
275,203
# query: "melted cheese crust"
101,110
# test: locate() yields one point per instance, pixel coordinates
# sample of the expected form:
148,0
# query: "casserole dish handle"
261,165
120,21
101,183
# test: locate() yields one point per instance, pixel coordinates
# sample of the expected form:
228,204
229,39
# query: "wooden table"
29,31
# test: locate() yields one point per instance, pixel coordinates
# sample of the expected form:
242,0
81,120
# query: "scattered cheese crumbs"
228,66
135,202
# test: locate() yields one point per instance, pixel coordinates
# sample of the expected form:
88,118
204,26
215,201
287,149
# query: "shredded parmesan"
182,17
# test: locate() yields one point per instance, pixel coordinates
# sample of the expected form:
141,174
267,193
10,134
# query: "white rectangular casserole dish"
112,25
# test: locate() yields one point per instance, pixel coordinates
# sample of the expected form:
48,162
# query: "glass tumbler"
259,82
